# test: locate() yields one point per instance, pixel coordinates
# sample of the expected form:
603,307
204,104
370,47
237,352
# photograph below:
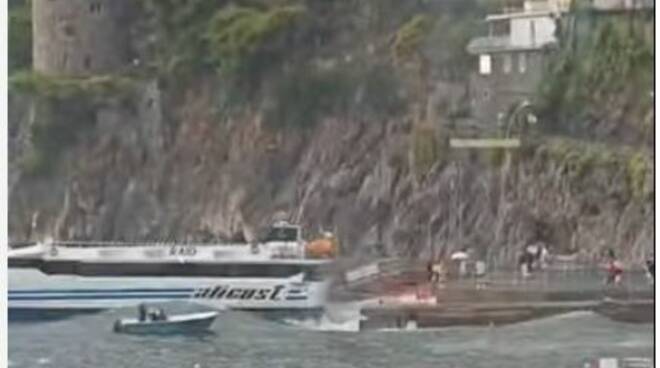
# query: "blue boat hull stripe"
98,297
86,291
296,298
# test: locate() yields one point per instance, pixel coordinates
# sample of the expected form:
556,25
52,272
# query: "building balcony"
622,5
494,44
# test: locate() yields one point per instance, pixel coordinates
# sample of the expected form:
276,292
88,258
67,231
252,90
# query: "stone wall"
80,37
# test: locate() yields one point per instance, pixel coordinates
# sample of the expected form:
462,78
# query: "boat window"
313,275
20,245
284,234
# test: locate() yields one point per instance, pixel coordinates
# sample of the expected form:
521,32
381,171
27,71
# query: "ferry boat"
273,275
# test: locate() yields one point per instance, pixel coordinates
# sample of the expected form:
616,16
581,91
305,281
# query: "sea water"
575,340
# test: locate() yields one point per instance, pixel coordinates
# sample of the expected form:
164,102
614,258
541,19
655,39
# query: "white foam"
327,324
343,317
43,361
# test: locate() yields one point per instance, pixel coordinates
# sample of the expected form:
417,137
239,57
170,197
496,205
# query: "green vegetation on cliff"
237,34
20,36
83,91
62,110
409,39
603,73
580,160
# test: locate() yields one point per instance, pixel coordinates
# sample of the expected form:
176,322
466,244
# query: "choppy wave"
243,340
326,324
43,361
341,317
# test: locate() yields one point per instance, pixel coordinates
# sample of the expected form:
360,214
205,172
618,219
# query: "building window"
484,64
68,30
500,28
506,63
95,7
522,62
87,62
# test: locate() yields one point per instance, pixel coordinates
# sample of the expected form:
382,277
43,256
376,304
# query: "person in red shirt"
614,269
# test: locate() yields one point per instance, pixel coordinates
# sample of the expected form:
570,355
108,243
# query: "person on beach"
142,312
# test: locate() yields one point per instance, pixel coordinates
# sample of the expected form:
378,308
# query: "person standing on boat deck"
142,312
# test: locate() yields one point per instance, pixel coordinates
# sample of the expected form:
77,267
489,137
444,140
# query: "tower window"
506,63
484,64
87,62
95,7
68,30
522,62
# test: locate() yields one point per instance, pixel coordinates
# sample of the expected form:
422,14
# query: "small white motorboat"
177,324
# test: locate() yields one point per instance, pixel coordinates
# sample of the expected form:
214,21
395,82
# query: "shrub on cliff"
238,33
303,97
608,75
409,40
20,36
639,167
63,108
176,28
55,128
82,91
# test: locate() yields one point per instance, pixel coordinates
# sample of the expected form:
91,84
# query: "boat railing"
159,250
21,244
100,244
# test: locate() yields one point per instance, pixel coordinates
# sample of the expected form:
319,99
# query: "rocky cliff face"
332,114
168,166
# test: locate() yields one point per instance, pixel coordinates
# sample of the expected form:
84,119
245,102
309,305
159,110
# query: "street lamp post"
507,143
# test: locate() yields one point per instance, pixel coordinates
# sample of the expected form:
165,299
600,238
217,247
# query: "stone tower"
80,37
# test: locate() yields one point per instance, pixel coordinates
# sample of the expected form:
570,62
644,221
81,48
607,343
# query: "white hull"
196,322
31,289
